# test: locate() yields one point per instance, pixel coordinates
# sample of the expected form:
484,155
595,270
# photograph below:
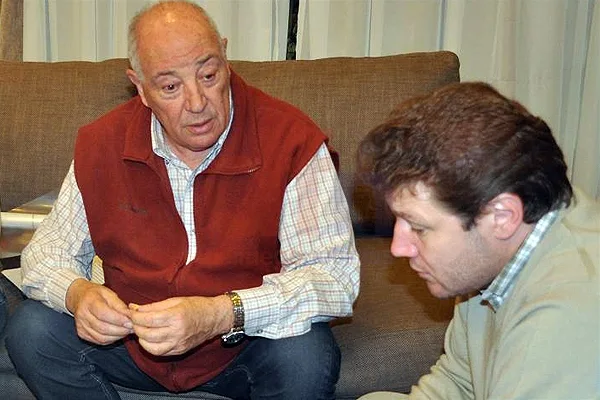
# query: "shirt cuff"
58,286
261,311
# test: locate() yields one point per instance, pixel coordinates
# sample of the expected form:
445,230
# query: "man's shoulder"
571,244
565,264
583,215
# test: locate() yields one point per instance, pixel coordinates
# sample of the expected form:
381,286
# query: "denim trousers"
56,364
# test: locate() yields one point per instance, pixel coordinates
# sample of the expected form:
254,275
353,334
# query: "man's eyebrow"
200,62
399,213
207,59
163,73
405,216
410,218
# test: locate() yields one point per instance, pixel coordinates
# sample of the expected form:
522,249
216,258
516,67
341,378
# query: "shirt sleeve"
60,250
319,279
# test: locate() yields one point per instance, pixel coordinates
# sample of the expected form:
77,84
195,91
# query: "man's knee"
30,325
312,359
316,349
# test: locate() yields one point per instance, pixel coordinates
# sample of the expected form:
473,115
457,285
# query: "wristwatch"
236,334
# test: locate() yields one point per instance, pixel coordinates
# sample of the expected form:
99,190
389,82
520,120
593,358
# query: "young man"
221,224
484,209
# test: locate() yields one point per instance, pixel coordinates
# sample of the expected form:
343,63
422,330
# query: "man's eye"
169,88
417,230
208,77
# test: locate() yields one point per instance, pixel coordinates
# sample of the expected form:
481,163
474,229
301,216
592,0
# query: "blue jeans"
3,308
56,364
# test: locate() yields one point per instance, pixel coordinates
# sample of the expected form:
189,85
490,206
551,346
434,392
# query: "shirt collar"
497,292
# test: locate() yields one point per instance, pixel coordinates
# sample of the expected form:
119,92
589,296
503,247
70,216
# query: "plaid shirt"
319,278
498,290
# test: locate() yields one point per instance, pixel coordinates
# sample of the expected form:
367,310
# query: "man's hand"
178,324
100,316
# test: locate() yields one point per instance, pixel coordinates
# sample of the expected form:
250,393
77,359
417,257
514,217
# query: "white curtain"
544,53
93,30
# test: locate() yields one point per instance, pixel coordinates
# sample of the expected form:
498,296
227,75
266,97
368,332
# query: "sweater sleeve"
450,377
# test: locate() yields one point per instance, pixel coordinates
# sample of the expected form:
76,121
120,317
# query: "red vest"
137,232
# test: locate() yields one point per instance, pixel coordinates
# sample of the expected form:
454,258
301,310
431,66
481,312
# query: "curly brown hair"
468,143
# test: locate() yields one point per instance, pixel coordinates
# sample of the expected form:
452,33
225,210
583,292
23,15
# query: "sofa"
396,331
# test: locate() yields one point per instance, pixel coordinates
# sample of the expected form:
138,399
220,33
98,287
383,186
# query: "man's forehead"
175,17
173,11
165,49
404,199
412,191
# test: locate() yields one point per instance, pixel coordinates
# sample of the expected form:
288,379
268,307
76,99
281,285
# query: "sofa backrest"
347,97
43,104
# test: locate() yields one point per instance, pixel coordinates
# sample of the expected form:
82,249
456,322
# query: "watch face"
233,338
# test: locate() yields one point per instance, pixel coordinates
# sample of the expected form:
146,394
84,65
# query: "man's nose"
403,241
195,100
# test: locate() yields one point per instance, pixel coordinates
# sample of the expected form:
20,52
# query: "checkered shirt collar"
497,292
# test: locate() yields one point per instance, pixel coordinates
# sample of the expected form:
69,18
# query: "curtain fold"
543,53
94,30
11,30
586,150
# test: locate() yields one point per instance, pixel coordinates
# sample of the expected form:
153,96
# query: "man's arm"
60,250
320,272
450,377
57,267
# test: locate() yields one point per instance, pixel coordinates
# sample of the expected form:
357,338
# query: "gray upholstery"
396,332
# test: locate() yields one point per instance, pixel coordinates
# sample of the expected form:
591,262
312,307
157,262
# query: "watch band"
236,334
238,310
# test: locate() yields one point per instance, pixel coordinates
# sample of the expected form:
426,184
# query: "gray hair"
132,37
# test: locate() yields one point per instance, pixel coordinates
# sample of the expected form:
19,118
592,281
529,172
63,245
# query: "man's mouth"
422,274
200,127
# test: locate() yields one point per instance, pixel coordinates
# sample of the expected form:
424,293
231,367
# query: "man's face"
452,261
185,83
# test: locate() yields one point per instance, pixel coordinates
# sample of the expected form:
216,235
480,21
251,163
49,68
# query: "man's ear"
505,212
134,78
224,44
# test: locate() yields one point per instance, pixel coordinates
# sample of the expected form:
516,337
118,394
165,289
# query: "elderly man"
224,234
484,209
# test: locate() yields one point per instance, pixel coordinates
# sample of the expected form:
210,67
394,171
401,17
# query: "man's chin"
438,291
